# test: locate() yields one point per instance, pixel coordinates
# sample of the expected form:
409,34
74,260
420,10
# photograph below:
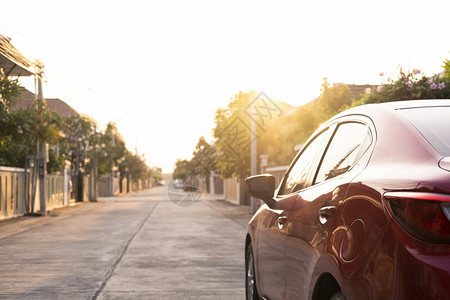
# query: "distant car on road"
363,212
190,188
178,184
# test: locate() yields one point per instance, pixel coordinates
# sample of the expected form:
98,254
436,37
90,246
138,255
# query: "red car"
362,212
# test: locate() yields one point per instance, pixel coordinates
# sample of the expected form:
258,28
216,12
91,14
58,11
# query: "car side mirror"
261,187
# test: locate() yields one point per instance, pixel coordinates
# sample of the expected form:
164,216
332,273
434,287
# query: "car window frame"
317,158
325,150
331,126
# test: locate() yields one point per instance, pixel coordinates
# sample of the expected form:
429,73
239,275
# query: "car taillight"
425,216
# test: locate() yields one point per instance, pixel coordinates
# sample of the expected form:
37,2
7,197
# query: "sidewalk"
21,224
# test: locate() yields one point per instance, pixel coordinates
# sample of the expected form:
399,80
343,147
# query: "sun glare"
164,68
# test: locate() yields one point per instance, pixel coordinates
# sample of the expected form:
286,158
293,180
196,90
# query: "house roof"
27,99
12,61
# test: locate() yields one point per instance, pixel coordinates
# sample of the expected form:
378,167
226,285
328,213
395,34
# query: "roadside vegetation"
229,155
74,139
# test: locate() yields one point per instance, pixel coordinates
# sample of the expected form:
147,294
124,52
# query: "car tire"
338,296
251,291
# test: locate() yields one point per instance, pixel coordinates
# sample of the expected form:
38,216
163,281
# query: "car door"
272,232
310,221
270,254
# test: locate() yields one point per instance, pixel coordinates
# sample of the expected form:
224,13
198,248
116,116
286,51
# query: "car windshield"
434,124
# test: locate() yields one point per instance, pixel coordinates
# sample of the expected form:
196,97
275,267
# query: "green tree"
276,138
182,169
446,67
113,148
287,132
232,134
134,167
333,99
78,136
203,162
156,174
9,88
12,151
204,158
23,130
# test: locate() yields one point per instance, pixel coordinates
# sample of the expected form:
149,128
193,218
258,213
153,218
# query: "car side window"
348,144
298,175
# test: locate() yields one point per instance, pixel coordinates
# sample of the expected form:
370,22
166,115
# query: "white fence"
15,192
12,192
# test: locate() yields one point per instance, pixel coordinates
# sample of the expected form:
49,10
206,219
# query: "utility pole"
95,171
253,153
42,148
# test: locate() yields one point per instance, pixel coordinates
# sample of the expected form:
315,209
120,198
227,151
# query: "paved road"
141,246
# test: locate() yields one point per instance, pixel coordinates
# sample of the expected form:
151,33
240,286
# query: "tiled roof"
62,107
12,61
27,98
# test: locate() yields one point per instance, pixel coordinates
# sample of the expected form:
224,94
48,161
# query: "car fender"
327,264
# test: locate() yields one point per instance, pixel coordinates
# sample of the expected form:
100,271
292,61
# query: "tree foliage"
182,169
286,133
233,134
23,130
278,138
446,67
203,162
333,98
133,166
9,137
74,139
9,88
114,149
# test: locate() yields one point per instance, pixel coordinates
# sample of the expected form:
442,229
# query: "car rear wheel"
338,296
250,278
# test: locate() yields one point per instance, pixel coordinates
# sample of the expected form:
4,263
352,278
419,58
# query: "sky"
161,69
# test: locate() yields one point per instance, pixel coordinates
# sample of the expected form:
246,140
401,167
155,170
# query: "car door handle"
325,212
281,221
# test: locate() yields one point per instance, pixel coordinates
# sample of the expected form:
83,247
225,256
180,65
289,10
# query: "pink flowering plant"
411,85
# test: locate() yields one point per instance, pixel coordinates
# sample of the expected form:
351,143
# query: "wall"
15,192
12,192
216,184
55,191
111,186
278,173
234,191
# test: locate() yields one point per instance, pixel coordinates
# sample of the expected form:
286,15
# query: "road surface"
142,246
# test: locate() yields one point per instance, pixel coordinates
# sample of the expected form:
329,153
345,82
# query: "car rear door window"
298,175
434,124
348,144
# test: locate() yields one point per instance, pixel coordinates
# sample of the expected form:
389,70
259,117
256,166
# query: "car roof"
372,109
417,103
